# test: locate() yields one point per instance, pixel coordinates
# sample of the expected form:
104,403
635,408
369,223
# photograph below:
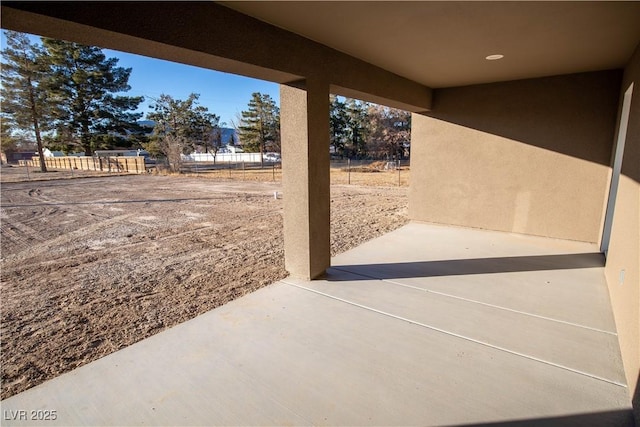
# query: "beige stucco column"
304,124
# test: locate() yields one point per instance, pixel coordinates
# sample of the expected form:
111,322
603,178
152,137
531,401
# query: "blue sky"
222,93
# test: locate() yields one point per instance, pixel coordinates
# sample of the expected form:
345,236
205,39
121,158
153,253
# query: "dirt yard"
92,265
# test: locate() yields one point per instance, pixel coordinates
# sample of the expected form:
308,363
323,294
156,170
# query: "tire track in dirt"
22,252
12,240
48,247
17,227
19,234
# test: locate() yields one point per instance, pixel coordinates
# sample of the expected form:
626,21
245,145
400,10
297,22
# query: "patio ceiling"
385,52
444,44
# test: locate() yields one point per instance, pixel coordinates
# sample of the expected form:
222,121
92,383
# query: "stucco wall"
624,248
529,156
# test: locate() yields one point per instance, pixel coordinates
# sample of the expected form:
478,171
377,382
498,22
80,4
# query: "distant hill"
227,134
147,123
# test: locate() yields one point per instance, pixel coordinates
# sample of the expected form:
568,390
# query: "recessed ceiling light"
494,57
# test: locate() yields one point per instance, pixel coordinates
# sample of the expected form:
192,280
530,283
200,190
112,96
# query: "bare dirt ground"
94,264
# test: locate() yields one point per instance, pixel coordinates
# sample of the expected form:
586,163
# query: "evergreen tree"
361,129
25,69
8,142
83,86
259,128
358,127
180,126
338,124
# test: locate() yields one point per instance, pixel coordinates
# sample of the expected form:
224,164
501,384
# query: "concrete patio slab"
569,346
554,278
349,350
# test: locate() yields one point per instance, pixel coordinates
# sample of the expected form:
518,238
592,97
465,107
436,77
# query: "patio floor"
427,325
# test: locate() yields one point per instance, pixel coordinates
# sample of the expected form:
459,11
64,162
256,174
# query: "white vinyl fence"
223,157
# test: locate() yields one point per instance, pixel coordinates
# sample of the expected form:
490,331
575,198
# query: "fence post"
398,172
349,171
70,166
27,163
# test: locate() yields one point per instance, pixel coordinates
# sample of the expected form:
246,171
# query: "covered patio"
524,124
427,325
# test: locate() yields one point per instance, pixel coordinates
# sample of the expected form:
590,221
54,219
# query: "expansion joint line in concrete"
524,313
433,328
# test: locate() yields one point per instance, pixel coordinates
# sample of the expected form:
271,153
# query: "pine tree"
358,127
83,85
25,70
259,128
7,140
338,124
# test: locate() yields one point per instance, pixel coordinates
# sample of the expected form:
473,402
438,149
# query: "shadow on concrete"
455,267
596,419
